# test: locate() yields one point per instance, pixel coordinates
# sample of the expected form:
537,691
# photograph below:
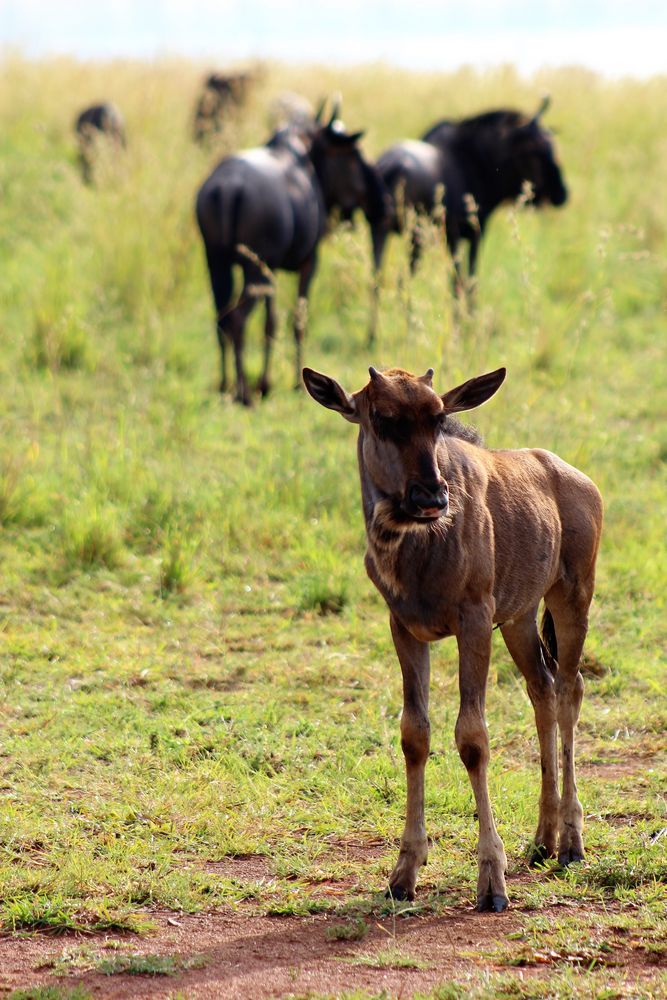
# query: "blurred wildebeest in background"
266,209
221,94
469,167
99,120
290,110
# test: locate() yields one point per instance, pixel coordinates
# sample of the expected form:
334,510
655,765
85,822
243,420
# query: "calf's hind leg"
568,606
539,669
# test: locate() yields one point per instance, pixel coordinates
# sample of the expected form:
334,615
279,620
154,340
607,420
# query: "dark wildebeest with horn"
100,120
266,209
460,537
470,167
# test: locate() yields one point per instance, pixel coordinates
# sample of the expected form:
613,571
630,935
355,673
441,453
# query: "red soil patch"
268,957
261,957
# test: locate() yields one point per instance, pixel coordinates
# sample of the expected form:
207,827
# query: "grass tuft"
322,595
92,538
353,930
148,965
50,993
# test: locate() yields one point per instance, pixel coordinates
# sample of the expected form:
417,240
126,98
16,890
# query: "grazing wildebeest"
460,537
220,94
266,209
470,167
290,110
94,122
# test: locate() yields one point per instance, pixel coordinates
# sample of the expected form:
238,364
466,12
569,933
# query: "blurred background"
610,36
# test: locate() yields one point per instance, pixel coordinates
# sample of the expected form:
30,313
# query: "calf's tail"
549,640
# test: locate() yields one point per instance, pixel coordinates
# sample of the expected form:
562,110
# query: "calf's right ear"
474,392
329,393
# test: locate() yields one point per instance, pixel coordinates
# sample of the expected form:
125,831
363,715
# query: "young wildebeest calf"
460,537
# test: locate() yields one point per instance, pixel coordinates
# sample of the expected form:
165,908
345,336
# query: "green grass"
193,664
49,993
389,958
147,965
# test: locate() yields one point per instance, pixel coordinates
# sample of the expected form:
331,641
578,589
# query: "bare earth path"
260,957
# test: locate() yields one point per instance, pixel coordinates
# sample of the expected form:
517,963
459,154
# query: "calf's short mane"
453,427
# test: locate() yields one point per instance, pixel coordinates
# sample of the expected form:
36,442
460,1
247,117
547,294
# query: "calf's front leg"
413,656
472,740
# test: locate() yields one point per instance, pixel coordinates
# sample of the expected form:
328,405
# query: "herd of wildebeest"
266,209
460,538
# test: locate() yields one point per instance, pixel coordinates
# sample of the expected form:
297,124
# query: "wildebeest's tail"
218,214
229,219
218,211
549,641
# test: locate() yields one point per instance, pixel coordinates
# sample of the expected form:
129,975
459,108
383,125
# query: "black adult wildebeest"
459,538
266,209
99,120
470,167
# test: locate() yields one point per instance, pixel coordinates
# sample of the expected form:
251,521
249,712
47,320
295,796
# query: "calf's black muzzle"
427,501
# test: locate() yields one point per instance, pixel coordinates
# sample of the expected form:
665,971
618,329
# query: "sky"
614,37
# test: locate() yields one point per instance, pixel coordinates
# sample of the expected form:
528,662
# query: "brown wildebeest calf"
460,537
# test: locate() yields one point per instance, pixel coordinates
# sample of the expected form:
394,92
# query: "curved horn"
375,375
336,109
320,111
544,104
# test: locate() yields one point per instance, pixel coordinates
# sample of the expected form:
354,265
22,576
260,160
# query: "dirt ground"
257,957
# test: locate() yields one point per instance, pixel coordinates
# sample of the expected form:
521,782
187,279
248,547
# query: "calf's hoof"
399,893
570,856
539,855
489,903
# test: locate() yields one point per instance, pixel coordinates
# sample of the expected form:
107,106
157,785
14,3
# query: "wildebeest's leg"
306,273
86,159
472,740
568,606
416,245
453,238
220,272
269,335
539,668
379,234
472,265
235,324
415,737
222,340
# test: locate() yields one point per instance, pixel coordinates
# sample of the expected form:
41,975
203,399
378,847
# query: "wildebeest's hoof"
263,387
492,904
399,893
539,855
570,857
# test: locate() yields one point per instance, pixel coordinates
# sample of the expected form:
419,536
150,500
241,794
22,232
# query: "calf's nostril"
435,495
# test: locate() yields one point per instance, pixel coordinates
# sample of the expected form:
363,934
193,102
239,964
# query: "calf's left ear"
329,393
474,392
